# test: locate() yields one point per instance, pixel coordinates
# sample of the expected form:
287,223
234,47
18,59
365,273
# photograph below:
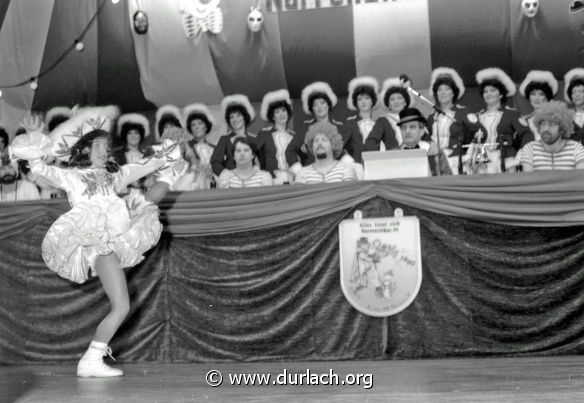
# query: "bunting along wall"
301,41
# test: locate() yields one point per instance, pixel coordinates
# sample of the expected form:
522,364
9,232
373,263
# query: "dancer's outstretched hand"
32,123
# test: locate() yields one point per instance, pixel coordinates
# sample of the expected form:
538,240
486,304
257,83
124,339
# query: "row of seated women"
277,153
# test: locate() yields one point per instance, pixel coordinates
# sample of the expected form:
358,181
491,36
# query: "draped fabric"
530,199
173,68
248,62
118,75
470,35
274,294
22,42
393,39
75,81
534,41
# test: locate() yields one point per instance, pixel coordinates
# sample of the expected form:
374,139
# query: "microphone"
406,81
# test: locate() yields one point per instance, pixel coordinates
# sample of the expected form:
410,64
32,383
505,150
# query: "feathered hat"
363,81
238,99
164,112
577,73
317,87
133,119
271,98
392,84
441,73
84,121
539,76
495,73
61,112
198,109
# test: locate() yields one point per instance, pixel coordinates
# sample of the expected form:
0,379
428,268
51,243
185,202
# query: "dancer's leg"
113,280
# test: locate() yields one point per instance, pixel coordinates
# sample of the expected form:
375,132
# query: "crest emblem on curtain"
381,267
201,17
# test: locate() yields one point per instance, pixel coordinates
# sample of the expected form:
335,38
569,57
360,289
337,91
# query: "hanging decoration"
76,44
201,17
529,8
255,18
140,21
576,5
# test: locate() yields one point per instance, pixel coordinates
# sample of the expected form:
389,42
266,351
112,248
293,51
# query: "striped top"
230,179
339,172
542,160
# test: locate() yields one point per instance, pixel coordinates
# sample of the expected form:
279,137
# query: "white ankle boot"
91,364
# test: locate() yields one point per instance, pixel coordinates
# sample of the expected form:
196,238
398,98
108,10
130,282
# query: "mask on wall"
140,22
529,8
255,19
201,16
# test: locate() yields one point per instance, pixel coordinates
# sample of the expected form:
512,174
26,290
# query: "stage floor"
486,379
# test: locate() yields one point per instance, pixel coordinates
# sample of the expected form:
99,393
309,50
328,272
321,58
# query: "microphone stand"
460,170
438,112
503,153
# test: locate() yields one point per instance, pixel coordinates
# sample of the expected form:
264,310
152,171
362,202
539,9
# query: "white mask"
529,8
255,19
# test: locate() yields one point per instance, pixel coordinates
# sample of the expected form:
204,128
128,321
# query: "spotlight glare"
34,85
79,46
115,1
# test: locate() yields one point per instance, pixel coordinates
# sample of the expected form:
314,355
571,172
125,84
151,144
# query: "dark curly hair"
446,80
279,104
202,117
398,90
574,83
167,118
316,95
4,137
364,89
126,127
80,151
492,82
56,121
537,85
237,108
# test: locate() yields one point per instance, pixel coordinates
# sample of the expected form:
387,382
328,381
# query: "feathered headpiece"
364,81
317,87
495,73
271,98
442,72
539,76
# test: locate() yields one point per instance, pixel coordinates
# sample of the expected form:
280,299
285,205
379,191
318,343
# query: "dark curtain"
274,294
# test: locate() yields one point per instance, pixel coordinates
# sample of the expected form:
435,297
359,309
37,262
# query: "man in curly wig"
326,144
555,150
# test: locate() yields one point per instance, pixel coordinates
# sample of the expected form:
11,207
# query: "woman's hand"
32,123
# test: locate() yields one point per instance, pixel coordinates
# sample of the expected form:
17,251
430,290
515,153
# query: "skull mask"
255,19
529,8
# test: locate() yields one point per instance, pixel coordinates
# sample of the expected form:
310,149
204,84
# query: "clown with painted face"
574,95
274,139
318,99
538,87
456,127
386,134
503,131
238,114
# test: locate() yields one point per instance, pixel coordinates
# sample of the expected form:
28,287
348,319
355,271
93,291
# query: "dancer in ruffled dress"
102,233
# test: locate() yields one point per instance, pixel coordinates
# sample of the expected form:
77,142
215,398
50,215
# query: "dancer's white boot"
92,365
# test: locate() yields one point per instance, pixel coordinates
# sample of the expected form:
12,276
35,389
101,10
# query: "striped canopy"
330,40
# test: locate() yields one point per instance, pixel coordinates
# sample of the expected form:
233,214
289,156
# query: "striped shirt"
339,172
230,179
535,154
